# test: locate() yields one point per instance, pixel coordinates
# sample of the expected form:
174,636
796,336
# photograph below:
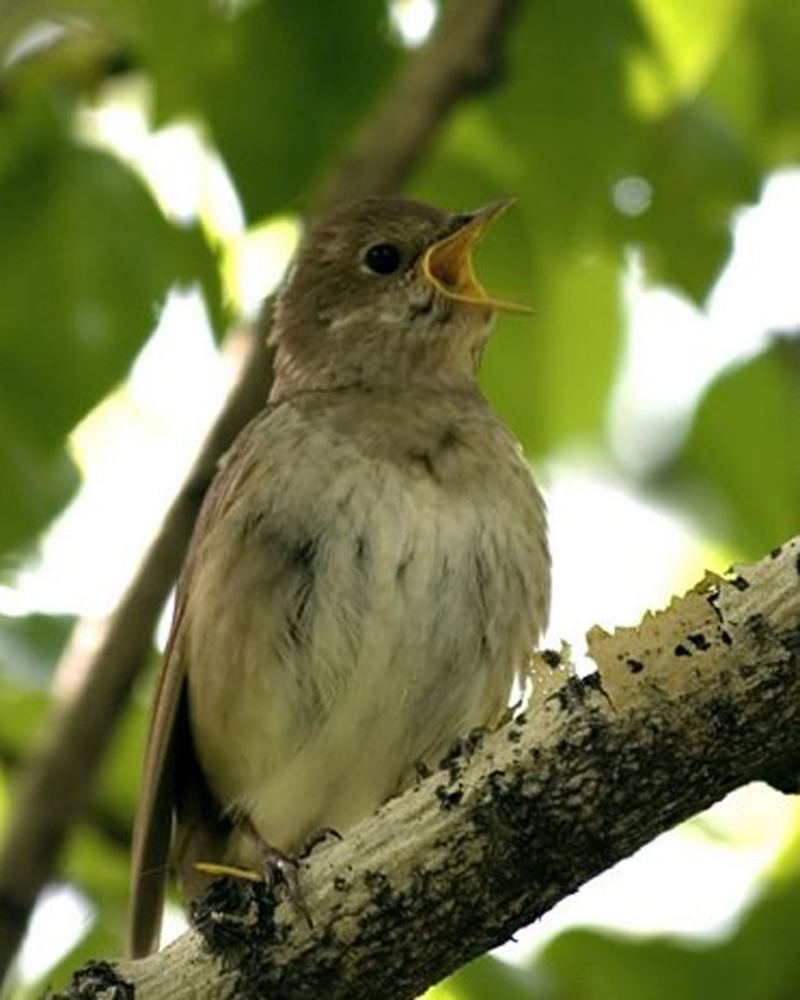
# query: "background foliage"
690,103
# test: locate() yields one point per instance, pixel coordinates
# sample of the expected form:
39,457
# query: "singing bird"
369,571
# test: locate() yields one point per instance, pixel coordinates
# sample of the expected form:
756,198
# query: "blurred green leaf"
38,481
689,37
550,374
487,978
739,469
589,965
170,42
698,171
775,28
580,132
22,710
709,154
280,85
787,866
763,952
564,108
81,291
87,260
97,857
31,645
283,95
759,960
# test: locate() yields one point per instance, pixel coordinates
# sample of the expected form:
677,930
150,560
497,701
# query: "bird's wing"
153,827
169,728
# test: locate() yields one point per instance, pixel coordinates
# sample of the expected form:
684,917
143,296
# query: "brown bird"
369,571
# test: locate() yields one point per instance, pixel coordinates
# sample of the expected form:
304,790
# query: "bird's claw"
279,867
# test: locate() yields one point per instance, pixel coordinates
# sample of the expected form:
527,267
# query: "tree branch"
695,701
54,790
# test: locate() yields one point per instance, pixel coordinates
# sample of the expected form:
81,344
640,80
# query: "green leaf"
689,37
551,375
197,262
281,85
759,960
564,107
739,467
170,42
84,245
87,260
31,645
776,38
284,90
22,711
709,154
699,171
571,112
586,965
487,977
99,868
765,931
38,481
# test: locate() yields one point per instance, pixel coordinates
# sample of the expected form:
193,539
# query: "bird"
369,572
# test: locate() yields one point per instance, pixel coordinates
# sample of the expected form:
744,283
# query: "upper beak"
447,264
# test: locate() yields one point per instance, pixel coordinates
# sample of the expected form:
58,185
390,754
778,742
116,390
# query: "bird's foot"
275,867
278,867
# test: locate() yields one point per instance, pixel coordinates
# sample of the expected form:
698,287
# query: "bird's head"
383,292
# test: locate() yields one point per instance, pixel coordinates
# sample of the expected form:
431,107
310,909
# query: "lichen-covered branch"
54,790
696,700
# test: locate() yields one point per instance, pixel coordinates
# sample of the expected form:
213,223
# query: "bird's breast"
365,599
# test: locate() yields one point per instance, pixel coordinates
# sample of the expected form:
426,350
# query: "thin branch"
695,701
54,790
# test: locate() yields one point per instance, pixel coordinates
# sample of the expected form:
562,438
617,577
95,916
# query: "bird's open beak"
447,264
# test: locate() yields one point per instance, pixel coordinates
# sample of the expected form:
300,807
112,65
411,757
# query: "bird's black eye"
382,258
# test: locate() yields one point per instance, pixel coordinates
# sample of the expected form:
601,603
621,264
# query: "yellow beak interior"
447,264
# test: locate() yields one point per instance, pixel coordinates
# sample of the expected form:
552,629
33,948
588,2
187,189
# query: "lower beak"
447,264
